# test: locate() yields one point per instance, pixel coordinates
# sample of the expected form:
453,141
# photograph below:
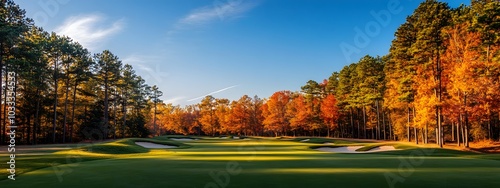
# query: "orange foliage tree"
275,119
330,113
298,113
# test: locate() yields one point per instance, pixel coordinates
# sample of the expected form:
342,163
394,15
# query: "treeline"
63,93
439,83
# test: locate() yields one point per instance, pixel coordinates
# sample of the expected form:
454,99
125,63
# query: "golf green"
252,162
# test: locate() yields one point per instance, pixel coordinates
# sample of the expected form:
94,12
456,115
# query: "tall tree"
208,117
274,112
330,112
155,97
13,23
429,20
107,72
298,113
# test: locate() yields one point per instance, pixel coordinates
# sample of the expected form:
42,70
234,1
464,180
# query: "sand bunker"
182,139
328,143
352,149
305,140
382,148
153,145
348,149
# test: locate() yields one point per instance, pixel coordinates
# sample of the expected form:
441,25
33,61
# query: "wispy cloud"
212,93
89,30
175,100
153,74
218,11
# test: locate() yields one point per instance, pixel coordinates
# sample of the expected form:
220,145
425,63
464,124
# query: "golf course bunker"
382,148
182,139
305,140
151,145
352,149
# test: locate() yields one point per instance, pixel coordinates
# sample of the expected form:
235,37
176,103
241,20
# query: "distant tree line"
63,92
439,83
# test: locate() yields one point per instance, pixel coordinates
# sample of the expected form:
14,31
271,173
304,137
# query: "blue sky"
228,48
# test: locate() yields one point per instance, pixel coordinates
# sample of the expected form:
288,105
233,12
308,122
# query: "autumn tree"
274,112
298,113
208,117
330,112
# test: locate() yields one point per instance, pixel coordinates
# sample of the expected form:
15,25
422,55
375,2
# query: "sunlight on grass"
83,153
115,144
325,170
257,143
248,158
245,152
372,170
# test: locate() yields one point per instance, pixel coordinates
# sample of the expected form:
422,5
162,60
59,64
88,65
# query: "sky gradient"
228,48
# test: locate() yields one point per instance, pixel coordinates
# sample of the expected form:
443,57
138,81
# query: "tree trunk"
65,118
383,124
416,134
154,117
378,121
458,132
463,132
73,112
422,134
390,125
408,126
28,123
54,121
438,120
466,134
364,121
466,122
452,132
426,133
2,128
114,114
439,95
489,124
106,106
415,127
36,122
359,130
352,123
124,109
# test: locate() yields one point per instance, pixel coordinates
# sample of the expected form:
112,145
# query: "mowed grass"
254,162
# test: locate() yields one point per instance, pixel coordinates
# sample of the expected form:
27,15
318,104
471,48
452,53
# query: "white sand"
348,149
382,148
153,145
305,140
224,137
352,149
329,143
183,139
236,137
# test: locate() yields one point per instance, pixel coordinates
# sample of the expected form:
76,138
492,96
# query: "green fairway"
252,162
